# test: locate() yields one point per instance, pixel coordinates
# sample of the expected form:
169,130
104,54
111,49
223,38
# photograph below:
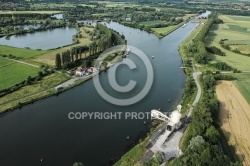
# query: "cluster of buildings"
81,71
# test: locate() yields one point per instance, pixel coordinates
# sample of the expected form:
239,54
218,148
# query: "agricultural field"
12,72
243,84
20,52
236,29
24,12
234,117
39,90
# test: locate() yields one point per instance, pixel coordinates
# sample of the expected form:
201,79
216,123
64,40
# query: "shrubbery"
201,143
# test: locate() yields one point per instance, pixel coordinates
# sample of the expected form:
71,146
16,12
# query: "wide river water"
43,131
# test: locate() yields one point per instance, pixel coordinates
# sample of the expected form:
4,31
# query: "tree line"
70,57
202,144
74,56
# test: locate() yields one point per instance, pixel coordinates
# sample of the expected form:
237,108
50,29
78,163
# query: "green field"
12,73
160,32
236,31
20,52
24,12
148,23
237,42
239,18
32,92
243,84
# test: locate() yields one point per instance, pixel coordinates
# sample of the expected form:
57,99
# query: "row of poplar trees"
69,56
75,53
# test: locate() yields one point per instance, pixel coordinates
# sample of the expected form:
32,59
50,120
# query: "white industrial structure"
174,122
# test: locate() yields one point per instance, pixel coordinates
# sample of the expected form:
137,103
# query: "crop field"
24,12
12,73
237,42
234,118
243,84
245,49
20,52
238,18
237,32
41,89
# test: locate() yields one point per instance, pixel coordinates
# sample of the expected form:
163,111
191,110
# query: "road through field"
235,118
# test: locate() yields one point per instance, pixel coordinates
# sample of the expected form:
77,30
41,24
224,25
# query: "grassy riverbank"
164,31
30,93
39,89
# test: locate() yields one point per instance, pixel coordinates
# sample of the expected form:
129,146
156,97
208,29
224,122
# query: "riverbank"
164,31
37,91
145,155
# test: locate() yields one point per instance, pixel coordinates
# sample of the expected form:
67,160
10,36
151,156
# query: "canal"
43,130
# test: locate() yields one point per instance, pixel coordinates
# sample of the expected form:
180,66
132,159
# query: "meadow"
12,73
40,90
21,52
148,23
24,12
243,84
237,30
49,56
161,32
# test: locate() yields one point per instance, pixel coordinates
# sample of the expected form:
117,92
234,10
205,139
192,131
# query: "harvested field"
235,119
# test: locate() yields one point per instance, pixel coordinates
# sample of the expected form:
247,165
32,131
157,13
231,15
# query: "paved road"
171,147
198,95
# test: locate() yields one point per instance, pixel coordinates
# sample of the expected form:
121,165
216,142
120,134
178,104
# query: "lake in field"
44,40
43,130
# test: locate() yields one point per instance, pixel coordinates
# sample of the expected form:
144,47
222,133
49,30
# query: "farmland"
234,119
20,52
243,84
236,30
12,73
25,12
31,92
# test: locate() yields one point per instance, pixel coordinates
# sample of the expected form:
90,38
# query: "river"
43,131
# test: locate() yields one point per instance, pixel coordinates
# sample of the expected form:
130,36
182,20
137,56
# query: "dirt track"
235,118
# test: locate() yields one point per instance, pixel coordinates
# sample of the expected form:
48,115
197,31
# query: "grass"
46,83
235,31
148,23
245,49
237,42
12,73
49,57
238,18
243,84
24,12
131,157
20,52
160,32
